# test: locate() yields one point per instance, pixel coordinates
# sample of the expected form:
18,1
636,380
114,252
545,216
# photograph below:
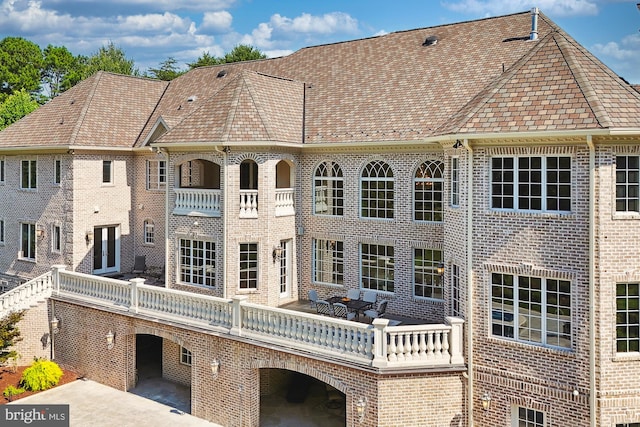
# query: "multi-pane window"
107,171
1,230
426,280
328,186
198,262
455,181
377,267
328,261
28,174
428,183
628,184
56,238
185,356
156,174
2,171
248,266
628,425
526,417
57,171
628,317
28,241
376,191
149,232
531,183
455,291
284,267
532,309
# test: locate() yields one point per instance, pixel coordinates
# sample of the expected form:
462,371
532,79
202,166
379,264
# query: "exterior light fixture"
486,401
55,323
458,144
361,408
40,232
215,367
440,269
277,253
89,237
110,339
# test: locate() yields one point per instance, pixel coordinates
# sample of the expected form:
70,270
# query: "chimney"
534,24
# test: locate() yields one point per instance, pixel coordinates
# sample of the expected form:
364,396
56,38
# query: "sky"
152,31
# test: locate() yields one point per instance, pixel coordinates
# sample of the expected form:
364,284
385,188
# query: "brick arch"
302,369
158,332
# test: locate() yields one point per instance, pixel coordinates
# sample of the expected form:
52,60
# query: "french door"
106,249
285,268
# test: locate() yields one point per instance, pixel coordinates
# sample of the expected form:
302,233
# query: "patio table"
357,305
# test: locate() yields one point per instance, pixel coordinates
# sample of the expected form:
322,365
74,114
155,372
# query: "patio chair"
370,296
140,264
340,310
313,297
378,312
353,294
323,307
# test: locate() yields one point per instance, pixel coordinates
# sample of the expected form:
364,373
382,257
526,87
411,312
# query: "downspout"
592,321
225,216
470,284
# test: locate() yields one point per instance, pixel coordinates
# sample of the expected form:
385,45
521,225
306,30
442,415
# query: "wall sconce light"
440,269
277,253
55,323
89,237
110,339
458,144
361,407
40,232
486,401
215,367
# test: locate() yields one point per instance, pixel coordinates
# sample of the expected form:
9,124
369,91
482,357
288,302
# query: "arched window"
377,191
428,182
328,190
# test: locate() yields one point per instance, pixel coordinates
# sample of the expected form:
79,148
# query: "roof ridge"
254,98
233,108
83,114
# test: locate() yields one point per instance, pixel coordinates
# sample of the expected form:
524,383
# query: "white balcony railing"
284,202
197,202
377,345
248,203
25,295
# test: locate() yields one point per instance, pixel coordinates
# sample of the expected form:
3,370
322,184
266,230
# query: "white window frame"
186,358
533,195
627,189
522,417
32,174
248,266
149,232
56,238
107,172
328,190
377,267
57,171
455,182
510,318
428,192
197,262
427,283
623,310
156,174
31,241
3,170
328,261
377,178
455,291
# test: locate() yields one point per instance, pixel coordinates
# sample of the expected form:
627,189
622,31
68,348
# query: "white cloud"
329,23
216,21
157,23
556,8
613,50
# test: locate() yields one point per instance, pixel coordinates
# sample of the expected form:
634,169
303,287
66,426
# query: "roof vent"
534,24
222,73
431,40
192,98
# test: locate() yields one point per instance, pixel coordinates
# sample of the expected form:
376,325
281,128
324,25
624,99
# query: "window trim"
388,284
186,357
159,172
110,178
3,170
57,171
454,177
253,265
429,181
515,416
187,272
389,186
334,249
56,238
336,177
437,281
31,236
32,174
148,232
619,324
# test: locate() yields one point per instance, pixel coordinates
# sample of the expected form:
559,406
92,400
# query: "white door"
285,268
106,249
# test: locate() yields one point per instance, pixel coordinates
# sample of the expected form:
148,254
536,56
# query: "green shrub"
11,391
41,375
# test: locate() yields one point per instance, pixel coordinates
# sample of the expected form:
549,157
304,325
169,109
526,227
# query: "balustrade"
284,202
248,203
197,201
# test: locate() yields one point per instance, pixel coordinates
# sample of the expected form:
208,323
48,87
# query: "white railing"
197,201
23,296
248,203
378,345
284,202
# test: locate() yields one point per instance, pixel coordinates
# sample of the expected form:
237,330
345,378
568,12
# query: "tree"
110,58
168,70
60,70
20,64
204,60
9,335
15,107
241,52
